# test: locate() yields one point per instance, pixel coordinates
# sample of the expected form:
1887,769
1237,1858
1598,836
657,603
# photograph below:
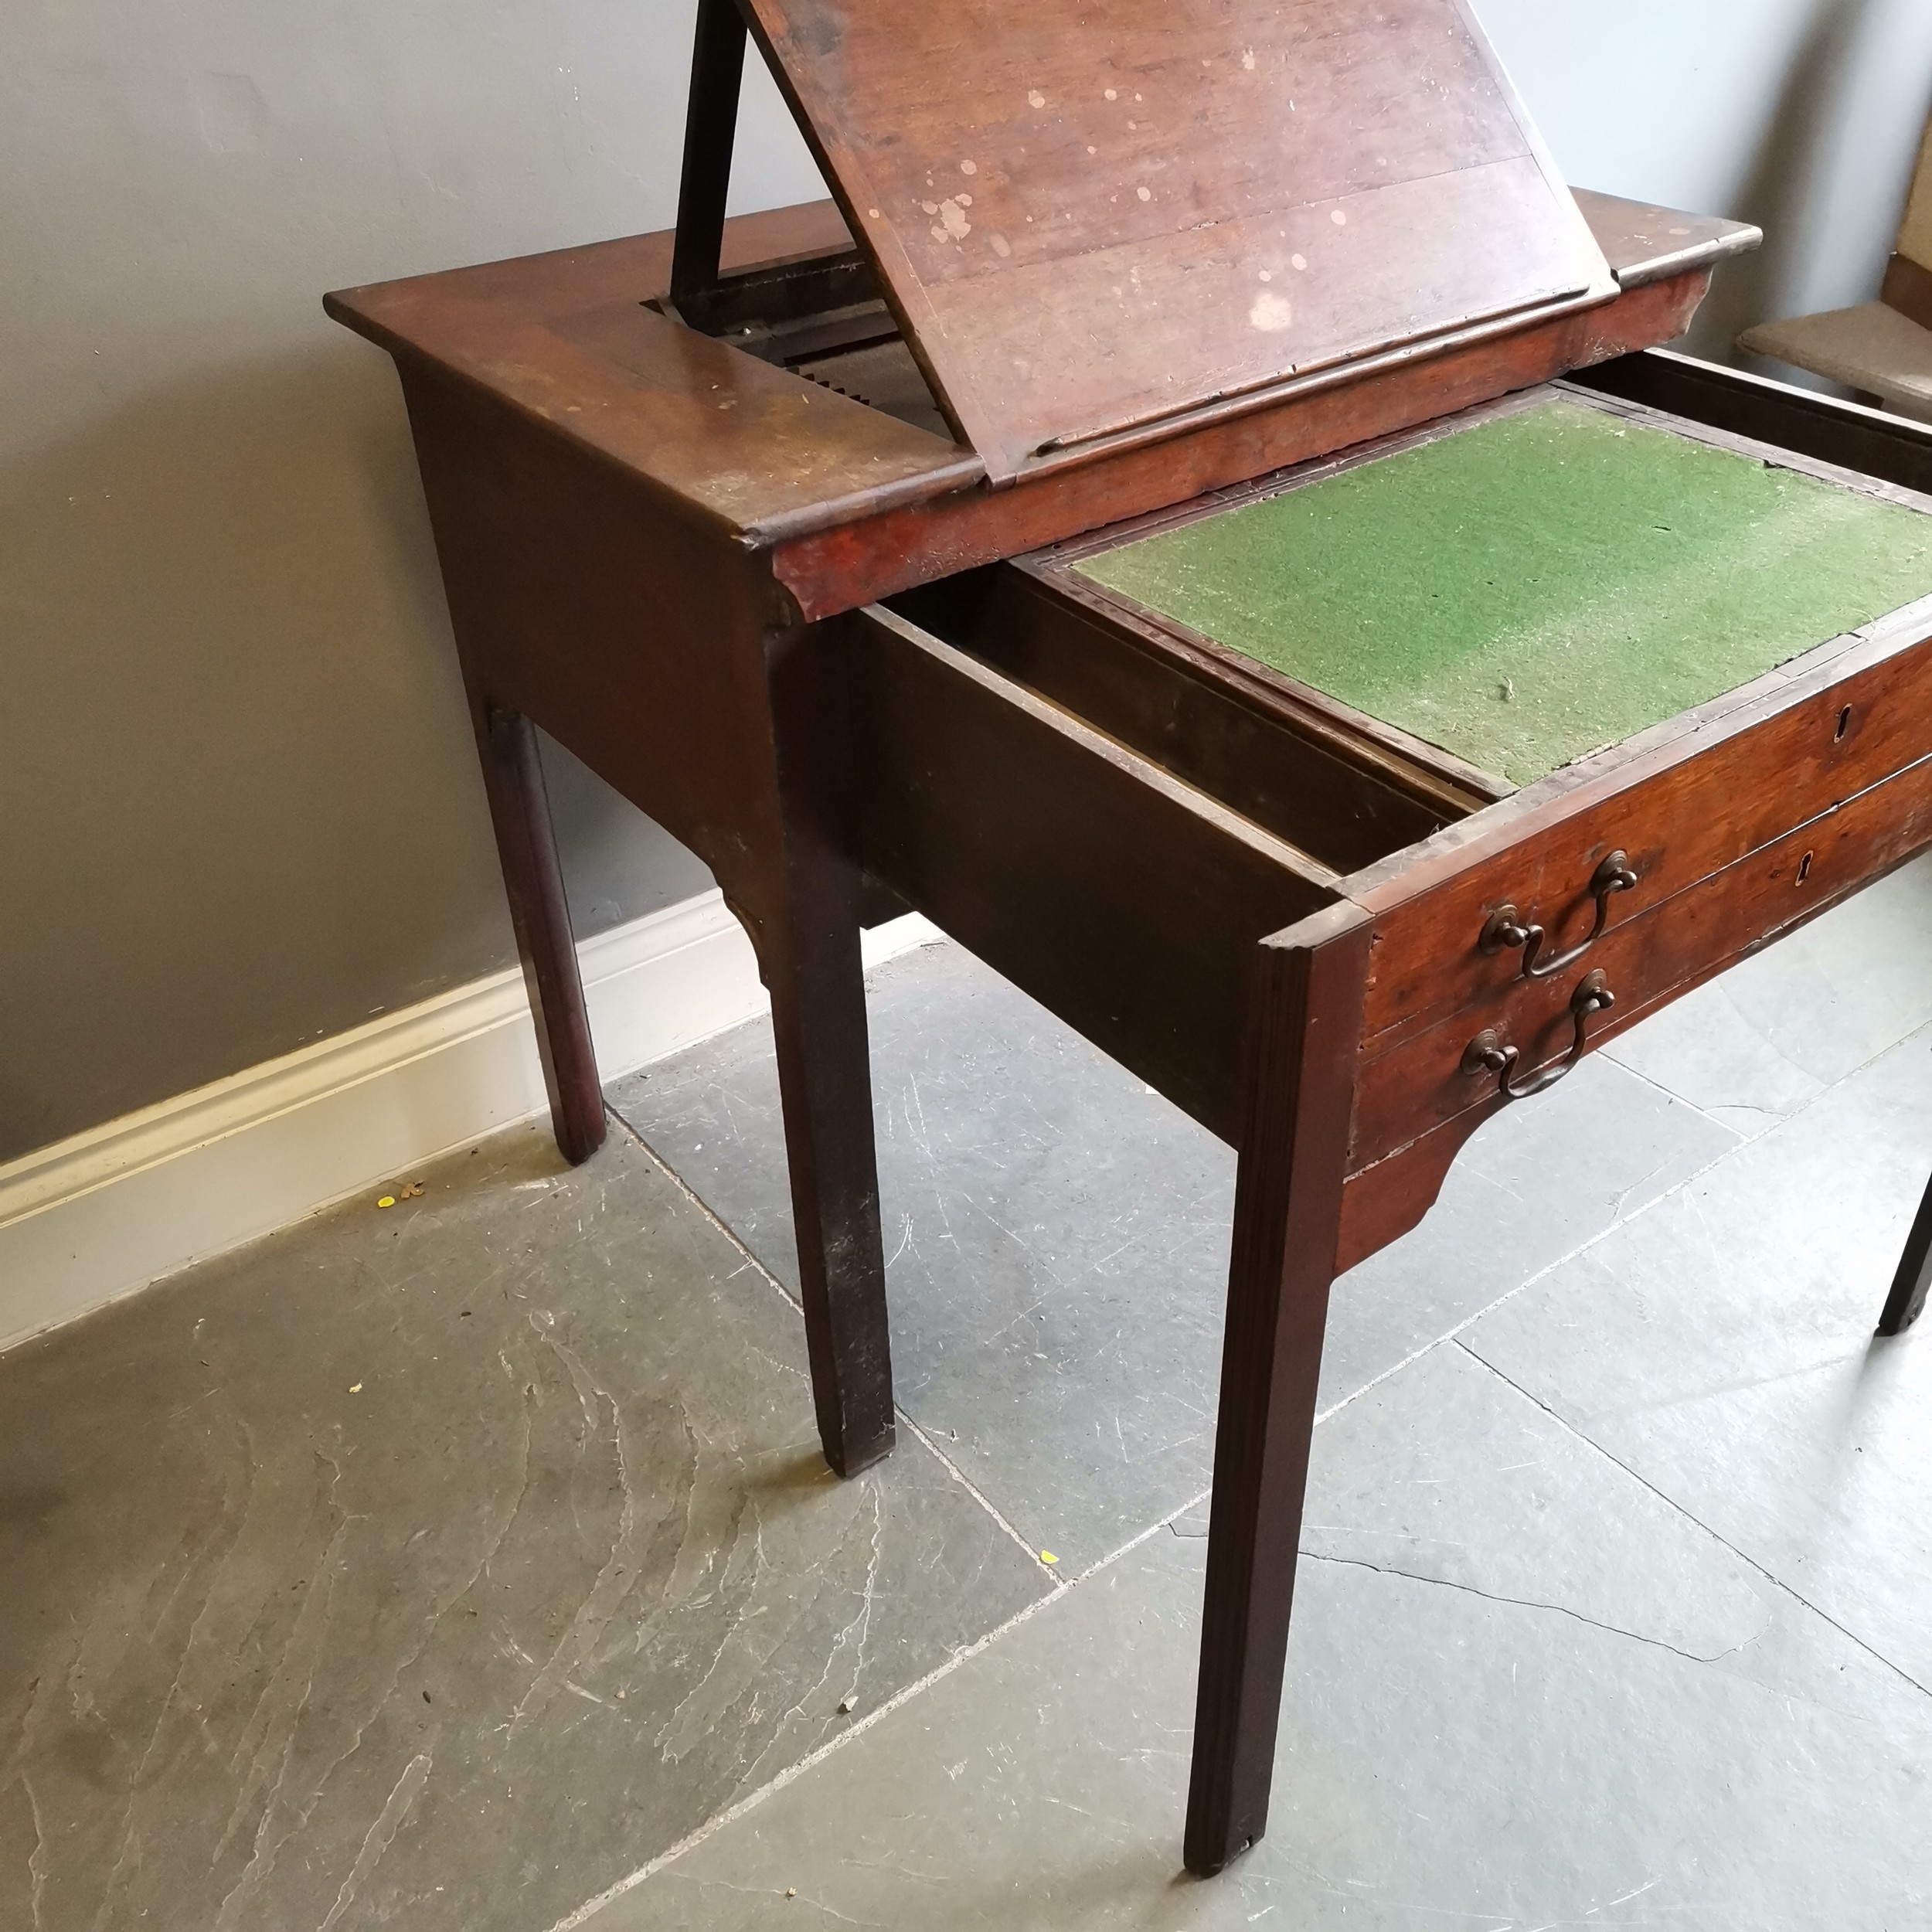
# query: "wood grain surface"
1124,901
1415,1107
1089,219
831,564
864,506
1684,800
1305,1009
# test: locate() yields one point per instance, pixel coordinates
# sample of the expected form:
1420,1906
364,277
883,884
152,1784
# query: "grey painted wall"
237,808
1803,115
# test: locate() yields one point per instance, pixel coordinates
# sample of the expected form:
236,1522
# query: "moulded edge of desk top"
1643,243
565,338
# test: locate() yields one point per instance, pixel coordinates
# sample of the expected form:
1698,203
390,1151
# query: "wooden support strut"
710,129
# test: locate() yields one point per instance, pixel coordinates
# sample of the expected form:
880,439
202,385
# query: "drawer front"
1829,734
1414,1083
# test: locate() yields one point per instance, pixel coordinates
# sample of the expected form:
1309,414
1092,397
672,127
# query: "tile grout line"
1803,1106
1741,1141
1623,1221
985,1502
1063,1587
1529,1281
946,1461
1144,1536
1671,1503
705,1207
692,1840
731,1813
1683,1100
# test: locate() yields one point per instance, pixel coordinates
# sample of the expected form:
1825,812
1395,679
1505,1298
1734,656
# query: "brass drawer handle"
1487,1054
1506,927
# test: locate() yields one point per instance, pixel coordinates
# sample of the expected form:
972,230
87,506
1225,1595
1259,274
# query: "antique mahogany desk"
1131,526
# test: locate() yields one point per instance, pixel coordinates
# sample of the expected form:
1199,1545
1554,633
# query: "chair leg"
1904,1305
1304,1028
808,950
520,810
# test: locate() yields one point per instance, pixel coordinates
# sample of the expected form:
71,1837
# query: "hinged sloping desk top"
1094,221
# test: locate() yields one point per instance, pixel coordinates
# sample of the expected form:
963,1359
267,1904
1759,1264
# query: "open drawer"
1107,769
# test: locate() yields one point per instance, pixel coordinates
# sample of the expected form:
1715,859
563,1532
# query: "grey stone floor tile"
435,1566
1772,1033
1450,1475
1056,1234
1721,1345
1543,1754
1056,1237
1534,1184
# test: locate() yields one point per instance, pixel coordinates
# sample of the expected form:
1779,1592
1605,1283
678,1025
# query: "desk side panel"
1873,442
633,634
1127,905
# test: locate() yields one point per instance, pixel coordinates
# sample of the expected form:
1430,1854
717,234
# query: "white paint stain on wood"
1270,312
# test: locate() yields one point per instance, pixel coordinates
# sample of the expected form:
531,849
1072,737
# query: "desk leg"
1304,1030
520,810
808,952
1907,1302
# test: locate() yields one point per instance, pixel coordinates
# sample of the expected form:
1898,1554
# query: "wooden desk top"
565,338
770,460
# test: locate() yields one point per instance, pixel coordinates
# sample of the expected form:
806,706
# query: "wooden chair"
1882,350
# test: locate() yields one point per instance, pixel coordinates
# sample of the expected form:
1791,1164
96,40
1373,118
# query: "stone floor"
469,1564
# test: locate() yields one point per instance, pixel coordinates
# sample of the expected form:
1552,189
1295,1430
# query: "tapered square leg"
807,941
818,1020
1303,1032
520,810
1907,1302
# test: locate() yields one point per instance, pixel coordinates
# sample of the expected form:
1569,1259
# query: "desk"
780,621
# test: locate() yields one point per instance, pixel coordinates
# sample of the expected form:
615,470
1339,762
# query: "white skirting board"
90,1217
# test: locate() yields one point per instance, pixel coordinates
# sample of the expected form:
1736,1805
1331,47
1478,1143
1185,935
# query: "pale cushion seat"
1872,347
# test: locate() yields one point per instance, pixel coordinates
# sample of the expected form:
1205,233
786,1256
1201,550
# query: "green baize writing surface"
1534,586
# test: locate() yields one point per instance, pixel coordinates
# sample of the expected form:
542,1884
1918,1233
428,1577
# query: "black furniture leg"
710,129
1904,1305
1304,1030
